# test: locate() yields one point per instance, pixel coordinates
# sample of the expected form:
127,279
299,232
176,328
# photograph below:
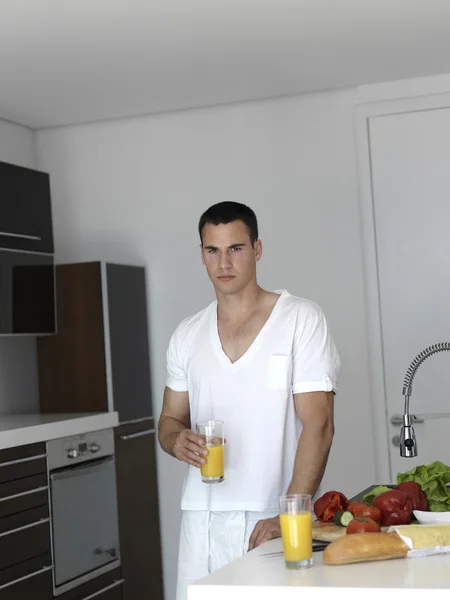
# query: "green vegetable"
343,518
376,491
433,479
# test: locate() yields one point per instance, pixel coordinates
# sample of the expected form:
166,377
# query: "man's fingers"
193,456
253,537
193,437
262,533
264,537
194,448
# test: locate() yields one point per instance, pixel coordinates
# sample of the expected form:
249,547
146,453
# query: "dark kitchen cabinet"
99,358
25,546
27,298
138,511
99,361
25,209
37,585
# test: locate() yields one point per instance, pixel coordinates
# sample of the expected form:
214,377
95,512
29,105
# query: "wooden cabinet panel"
138,511
78,384
101,346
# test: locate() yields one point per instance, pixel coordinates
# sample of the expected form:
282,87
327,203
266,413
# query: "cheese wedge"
434,538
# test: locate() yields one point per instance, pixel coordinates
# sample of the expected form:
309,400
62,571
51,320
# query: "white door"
410,162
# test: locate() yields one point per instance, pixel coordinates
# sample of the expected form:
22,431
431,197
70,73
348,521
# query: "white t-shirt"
293,353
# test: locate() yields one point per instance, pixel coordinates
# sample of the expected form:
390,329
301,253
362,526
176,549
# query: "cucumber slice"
343,518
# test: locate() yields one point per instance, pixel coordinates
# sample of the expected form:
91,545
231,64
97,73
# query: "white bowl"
426,517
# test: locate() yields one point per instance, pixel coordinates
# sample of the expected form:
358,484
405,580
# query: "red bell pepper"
328,505
396,507
415,494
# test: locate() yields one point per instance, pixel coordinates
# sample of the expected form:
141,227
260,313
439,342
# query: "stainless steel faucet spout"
408,442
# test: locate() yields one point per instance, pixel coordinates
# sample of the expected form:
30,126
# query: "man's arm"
174,429
316,412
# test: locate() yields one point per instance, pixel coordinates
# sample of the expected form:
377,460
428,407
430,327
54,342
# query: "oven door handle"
83,469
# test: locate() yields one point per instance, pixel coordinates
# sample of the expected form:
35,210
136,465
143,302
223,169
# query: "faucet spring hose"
419,359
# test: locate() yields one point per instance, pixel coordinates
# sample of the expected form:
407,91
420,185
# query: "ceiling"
74,61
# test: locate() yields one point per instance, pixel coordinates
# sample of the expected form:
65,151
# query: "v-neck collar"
254,346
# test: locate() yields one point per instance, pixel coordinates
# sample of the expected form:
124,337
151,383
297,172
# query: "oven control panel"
79,448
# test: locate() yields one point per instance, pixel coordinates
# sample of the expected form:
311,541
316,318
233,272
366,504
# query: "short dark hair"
227,212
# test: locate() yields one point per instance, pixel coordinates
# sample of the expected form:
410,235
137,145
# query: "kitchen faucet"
408,443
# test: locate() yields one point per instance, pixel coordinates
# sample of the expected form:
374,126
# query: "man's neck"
232,307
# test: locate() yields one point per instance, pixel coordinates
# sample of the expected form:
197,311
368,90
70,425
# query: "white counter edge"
61,427
246,592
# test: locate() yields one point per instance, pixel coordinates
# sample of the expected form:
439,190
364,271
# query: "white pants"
210,540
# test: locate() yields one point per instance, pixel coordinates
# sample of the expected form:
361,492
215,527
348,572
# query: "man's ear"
258,249
201,252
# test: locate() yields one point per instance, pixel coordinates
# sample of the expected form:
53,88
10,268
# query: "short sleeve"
176,361
316,361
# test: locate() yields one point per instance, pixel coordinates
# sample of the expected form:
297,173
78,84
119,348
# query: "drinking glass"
296,530
213,434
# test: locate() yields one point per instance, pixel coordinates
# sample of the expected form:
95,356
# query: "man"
265,364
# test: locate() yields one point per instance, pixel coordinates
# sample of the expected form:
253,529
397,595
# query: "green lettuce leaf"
433,479
370,496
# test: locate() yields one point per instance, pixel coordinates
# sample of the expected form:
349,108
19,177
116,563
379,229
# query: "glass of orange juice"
296,530
213,434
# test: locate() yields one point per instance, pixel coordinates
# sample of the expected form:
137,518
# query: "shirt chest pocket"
279,372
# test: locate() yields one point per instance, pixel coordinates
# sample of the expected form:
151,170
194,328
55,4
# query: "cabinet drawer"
106,587
23,494
25,210
23,518
36,585
28,567
24,467
19,452
21,544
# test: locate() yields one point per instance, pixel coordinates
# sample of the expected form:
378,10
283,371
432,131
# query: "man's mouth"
226,277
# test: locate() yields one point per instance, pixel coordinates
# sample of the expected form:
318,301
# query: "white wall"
133,190
18,370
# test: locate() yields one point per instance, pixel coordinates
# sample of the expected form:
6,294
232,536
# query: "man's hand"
264,531
190,448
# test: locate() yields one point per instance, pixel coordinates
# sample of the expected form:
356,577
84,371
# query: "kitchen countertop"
18,430
264,578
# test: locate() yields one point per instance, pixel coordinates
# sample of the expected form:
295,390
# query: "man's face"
229,256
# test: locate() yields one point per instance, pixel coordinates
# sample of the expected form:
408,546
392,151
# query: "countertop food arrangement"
409,519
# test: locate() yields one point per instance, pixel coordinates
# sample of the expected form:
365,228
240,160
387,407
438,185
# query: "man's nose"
224,260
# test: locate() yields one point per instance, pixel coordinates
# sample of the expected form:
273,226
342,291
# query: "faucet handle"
399,419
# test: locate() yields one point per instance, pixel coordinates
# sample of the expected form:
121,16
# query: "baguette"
362,547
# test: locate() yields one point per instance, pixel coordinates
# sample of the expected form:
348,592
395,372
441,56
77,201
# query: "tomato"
354,505
368,512
363,526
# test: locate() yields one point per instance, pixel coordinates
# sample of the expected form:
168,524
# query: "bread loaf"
361,547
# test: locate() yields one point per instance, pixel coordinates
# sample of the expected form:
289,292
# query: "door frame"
363,113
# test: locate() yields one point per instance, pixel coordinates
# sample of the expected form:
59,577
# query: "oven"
83,503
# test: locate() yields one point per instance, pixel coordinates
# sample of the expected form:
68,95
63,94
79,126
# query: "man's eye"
237,249
212,250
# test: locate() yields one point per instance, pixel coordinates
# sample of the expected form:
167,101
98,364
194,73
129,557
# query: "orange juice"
213,466
296,531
